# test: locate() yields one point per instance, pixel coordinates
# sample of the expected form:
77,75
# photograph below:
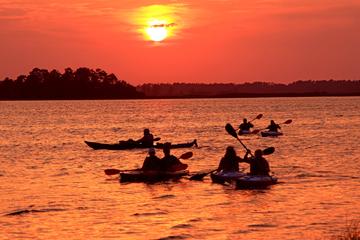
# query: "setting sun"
157,31
158,22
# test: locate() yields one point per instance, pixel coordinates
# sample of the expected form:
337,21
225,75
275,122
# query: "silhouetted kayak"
244,132
255,182
271,134
124,145
242,180
151,176
222,177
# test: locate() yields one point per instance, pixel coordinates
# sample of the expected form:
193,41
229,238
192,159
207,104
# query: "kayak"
222,177
151,176
271,134
244,132
255,182
124,145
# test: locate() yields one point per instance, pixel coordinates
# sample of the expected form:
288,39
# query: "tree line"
255,89
85,83
82,83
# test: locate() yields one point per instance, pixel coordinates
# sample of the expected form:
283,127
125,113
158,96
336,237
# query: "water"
48,170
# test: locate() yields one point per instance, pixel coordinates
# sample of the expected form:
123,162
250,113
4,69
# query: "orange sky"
210,41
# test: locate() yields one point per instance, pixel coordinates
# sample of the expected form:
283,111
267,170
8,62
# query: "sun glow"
158,23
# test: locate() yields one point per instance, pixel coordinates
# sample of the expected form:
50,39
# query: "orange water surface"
58,184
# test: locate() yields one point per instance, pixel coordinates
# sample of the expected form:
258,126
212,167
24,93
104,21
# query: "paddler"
147,140
230,161
152,162
170,162
245,126
273,127
258,164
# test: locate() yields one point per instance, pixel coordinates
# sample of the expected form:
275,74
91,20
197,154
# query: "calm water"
46,167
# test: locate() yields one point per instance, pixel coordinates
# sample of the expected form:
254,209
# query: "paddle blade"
111,171
157,139
231,130
198,176
259,116
287,121
268,150
186,155
201,175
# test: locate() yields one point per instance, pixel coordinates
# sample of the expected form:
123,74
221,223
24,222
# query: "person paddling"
245,126
147,140
152,162
230,161
273,127
258,164
170,162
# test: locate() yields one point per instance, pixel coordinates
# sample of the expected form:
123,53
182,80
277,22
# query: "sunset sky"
144,41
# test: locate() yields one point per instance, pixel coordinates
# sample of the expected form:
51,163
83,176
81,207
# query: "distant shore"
89,84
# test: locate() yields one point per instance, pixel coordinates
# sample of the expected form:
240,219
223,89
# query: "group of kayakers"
245,126
229,163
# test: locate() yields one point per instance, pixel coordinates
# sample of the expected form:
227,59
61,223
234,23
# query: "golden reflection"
159,22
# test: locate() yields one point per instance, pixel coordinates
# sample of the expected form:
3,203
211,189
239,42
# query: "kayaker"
151,162
258,164
170,162
230,161
273,127
245,126
147,140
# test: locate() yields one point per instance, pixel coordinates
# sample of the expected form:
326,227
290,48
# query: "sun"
157,31
157,23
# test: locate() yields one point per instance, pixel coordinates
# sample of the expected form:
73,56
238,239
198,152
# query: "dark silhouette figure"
245,126
273,127
230,161
258,164
170,162
152,162
147,140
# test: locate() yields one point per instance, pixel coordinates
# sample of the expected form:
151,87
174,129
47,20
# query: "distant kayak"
255,182
222,177
271,134
124,145
151,176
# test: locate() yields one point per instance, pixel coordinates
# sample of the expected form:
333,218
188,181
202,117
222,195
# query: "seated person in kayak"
273,127
258,164
170,162
230,161
151,162
147,140
245,126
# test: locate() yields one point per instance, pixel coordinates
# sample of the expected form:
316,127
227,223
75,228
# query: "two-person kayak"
151,176
242,180
125,145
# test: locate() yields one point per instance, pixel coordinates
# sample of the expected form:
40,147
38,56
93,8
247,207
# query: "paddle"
113,171
233,133
199,176
257,117
258,130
